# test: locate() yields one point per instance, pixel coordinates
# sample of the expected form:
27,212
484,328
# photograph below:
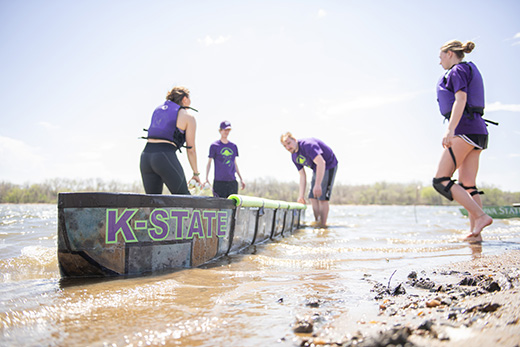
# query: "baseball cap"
225,125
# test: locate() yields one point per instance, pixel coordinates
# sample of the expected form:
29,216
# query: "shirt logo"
227,155
300,159
164,107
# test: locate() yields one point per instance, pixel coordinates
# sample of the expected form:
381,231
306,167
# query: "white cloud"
516,39
89,156
97,151
209,41
19,161
322,13
498,106
48,125
369,102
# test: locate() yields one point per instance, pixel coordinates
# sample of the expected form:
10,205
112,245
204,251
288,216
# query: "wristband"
196,174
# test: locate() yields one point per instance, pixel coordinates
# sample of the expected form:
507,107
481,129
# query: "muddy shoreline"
473,303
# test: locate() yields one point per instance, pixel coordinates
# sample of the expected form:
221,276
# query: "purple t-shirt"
224,155
310,148
467,78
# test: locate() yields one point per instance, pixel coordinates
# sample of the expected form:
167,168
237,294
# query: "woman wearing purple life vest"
171,126
460,93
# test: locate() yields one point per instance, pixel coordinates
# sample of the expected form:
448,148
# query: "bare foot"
480,223
316,224
473,238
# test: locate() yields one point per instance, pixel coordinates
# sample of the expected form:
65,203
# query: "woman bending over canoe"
172,126
460,93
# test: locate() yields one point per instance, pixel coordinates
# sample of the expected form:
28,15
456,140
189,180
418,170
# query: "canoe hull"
498,212
109,234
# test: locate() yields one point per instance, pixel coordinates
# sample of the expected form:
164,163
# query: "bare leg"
462,150
468,177
480,218
324,212
472,237
315,209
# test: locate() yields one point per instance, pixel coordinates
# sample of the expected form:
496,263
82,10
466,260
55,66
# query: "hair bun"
468,47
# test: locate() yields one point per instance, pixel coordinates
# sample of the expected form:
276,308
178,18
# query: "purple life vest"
164,124
465,77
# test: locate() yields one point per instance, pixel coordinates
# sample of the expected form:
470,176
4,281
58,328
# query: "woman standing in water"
172,126
460,93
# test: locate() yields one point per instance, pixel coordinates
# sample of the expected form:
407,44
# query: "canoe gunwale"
102,200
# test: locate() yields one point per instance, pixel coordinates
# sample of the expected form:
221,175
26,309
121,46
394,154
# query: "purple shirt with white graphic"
310,148
224,155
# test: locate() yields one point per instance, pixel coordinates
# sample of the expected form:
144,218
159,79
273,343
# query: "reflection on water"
247,299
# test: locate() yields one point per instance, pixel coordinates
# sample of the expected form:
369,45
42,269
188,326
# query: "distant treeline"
47,192
381,193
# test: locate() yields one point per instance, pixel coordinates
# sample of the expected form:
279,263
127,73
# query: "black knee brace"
441,189
474,192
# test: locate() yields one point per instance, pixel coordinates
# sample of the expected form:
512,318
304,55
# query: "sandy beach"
472,303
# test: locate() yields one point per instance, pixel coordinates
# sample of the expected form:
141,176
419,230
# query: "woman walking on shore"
460,93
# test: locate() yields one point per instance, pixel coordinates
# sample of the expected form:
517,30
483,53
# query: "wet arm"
190,143
242,184
320,173
457,111
303,184
208,167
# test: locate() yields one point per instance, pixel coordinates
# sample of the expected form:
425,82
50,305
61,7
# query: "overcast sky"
80,80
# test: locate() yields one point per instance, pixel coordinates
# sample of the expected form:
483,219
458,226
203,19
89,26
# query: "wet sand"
475,303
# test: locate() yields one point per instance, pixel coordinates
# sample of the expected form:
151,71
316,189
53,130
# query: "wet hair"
177,94
285,136
458,48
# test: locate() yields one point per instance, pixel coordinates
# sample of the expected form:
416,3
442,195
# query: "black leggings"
159,164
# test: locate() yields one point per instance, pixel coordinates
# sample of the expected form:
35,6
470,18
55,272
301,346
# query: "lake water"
247,299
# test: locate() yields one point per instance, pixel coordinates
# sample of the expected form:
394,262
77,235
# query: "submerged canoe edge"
117,234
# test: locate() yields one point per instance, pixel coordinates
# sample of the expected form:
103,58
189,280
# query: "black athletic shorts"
478,141
223,189
326,184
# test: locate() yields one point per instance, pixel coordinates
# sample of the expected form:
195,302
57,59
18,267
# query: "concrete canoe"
115,234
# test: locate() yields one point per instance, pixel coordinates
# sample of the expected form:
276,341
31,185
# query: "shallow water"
248,299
